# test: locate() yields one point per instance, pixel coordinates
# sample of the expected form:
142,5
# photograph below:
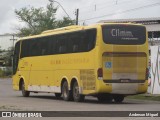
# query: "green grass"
145,97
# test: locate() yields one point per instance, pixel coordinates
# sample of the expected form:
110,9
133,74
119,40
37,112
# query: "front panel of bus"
124,58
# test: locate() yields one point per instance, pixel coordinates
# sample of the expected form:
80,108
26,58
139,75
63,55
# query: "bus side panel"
41,74
101,87
15,82
79,66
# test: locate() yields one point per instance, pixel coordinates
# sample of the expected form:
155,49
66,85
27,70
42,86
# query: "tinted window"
83,41
79,41
25,48
44,46
16,57
34,47
124,34
61,43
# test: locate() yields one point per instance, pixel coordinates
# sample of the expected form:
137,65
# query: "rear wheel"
58,95
24,92
66,93
104,98
118,98
76,95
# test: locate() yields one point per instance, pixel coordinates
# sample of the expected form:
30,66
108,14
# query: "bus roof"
69,29
62,29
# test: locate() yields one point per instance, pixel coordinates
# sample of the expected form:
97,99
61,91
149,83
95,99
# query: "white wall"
5,42
154,88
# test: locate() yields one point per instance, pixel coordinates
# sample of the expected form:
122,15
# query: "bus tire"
76,95
58,95
103,98
66,93
118,98
24,92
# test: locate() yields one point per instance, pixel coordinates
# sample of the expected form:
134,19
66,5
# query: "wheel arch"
20,82
73,80
63,80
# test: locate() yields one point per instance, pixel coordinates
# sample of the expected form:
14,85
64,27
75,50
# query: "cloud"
87,9
8,19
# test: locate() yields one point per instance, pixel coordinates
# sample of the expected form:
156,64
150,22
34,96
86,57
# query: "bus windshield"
124,34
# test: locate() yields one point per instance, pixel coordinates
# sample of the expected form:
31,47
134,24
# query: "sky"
90,11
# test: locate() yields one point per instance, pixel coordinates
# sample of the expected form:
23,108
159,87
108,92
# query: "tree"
40,19
8,56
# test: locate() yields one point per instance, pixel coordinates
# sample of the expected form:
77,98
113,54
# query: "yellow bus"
108,61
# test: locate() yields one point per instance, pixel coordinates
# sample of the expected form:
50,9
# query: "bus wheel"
118,98
58,95
66,93
76,95
104,98
24,92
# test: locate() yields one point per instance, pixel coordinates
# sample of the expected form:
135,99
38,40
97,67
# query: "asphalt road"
12,100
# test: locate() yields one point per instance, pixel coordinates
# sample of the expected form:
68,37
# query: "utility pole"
13,38
77,15
116,2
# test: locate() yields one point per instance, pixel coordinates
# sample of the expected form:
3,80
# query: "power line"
108,5
96,4
119,3
121,12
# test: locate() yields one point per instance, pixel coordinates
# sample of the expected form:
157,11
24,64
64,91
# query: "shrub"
1,73
5,72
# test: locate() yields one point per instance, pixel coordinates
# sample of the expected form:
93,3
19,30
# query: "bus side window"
62,49
74,42
75,48
52,43
90,39
59,45
35,48
69,44
82,41
16,57
24,48
44,43
43,51
62,44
